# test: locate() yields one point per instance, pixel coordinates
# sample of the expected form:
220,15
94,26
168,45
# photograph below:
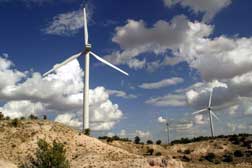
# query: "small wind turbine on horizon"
209,109
86,52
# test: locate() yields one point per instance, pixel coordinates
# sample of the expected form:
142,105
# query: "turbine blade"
215,116
57,66
200,111
210,98
85,26
109,64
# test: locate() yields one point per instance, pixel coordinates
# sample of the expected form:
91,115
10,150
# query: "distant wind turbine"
86,52
209,109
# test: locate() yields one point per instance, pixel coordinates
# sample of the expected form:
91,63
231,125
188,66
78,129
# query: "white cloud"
175,100
136,38
143,134
122,94
161,119
69,23
209,7
59,93
163,83
199,119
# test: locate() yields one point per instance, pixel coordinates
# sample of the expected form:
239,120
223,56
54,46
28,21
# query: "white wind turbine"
86,52
209,109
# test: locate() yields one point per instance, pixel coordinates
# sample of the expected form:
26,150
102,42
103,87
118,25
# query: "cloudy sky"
175,51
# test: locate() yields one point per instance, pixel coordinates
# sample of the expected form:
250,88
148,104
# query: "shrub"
149,142
15,122
238,153
33,117
51,156
109,140
150,151
22,118
158,154
187,151
227,158
137,140
7,118
158,142
44,117
210,157
185,159
87,132
1,116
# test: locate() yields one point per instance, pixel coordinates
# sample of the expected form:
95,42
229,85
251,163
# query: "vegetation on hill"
48,156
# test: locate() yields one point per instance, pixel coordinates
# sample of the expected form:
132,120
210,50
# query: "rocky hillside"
18,141
220,152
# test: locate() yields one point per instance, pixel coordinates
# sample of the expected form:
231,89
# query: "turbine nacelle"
88,48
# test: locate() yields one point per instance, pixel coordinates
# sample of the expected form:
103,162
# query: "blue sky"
37,34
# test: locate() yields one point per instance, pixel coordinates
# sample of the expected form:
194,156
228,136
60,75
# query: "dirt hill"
220,152
19,141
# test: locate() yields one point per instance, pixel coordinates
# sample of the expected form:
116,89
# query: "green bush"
87,132
238,153
137,140
149,142
158,142
150,151
210,157
227,158
185,159
15,122
187,151
158,154
33,117
44,117
1,116
48,156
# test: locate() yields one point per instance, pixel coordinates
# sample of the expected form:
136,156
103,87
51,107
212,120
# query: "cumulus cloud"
69,23
59,94
209,7
161,120
122,94
143,134
136,38
175,100
163,83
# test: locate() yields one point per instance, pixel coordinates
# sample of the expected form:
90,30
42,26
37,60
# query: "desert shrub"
7,118
1,116
150,151
185,159
22,118
158,154
149,142
15,122
44,117
217,161
248,153
109,140
48,156
210,157
187,151
87,132
33,117
158,142
238,153
227,158
137,140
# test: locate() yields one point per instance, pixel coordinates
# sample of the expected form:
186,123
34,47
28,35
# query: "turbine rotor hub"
209,108
88,48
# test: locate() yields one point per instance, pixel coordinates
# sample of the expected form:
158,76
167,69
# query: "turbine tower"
209,109
86,52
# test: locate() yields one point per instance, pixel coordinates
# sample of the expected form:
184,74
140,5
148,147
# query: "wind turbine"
209,109
86,52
